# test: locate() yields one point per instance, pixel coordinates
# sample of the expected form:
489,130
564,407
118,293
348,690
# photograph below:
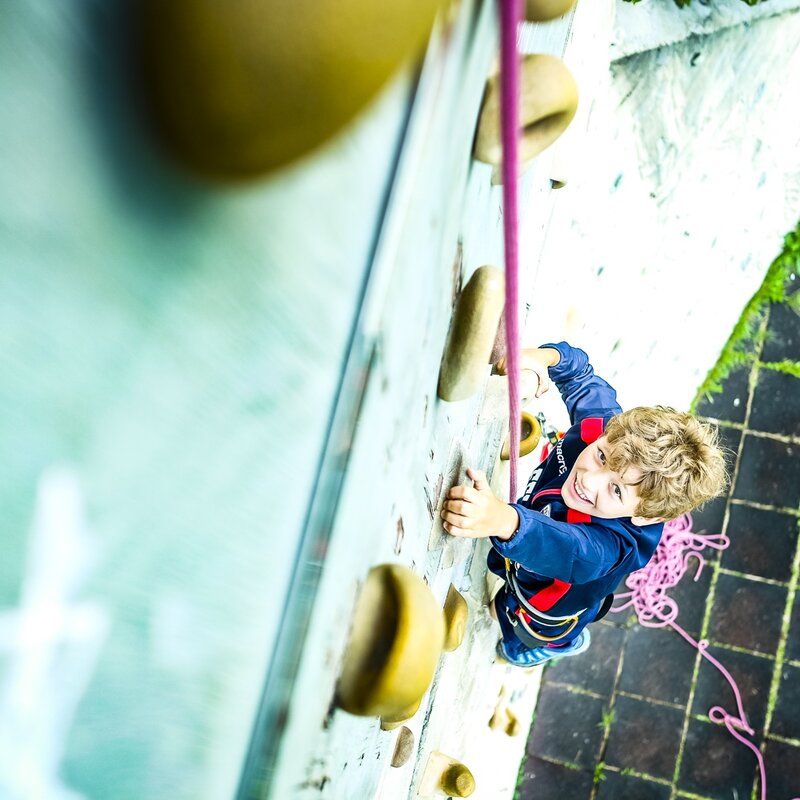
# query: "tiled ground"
629,720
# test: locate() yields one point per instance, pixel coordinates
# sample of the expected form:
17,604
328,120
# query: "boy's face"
594,488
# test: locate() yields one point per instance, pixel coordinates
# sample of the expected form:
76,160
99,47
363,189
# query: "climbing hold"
241,87
504,720
403,748
472,333
544,10
559,169
530,434
548,101
457,781
394,647
391,721
445,774
455,618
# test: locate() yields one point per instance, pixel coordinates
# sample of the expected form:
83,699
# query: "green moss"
787,367
748,334
607,719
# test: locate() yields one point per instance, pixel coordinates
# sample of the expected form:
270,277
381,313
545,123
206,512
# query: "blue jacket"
566,560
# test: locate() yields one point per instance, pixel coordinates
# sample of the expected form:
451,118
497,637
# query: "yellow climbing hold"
530,434
472,333
548,102
395,644
455,618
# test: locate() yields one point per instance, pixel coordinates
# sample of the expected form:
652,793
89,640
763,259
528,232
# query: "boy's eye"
602,456
618,491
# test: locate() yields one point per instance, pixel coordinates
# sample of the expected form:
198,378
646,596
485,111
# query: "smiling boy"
591,513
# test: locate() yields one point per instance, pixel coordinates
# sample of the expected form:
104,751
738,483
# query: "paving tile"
730,438
793,638
776,403
658,664
542,780
709,518
782,762
762,542
596,672
753,676
785,719
692,595
644,737
626,787
783,334
769,472
567,727
715,765
730,404
747,614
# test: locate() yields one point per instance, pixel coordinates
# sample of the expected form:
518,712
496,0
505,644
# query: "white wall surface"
684,183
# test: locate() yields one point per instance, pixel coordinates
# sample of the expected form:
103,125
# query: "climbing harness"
531,609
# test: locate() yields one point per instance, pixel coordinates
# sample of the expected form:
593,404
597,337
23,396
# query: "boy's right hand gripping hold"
536,360
473,512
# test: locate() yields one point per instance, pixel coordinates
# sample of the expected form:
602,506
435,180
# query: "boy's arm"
571,552
584,393
566,551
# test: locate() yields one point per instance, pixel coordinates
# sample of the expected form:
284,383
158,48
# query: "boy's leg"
515,652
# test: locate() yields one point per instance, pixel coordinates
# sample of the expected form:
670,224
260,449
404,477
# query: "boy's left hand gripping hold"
473,512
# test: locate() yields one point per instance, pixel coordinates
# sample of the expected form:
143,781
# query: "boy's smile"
594,488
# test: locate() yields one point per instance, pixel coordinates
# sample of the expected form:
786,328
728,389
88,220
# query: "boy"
592,512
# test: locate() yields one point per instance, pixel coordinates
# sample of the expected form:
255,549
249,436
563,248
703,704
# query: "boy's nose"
591,480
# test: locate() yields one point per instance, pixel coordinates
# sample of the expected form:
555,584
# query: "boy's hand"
537,360
475,513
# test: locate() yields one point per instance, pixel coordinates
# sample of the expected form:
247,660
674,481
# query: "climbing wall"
218,411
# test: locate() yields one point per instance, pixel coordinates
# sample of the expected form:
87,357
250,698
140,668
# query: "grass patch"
744,342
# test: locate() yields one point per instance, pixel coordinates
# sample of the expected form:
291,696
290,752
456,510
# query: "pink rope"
510,17
654,608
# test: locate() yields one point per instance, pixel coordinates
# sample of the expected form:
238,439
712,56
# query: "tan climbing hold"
505,721
403,747
455,618
548,101
395,644
446,775
238,88
391,721
530,434
544,10
472,334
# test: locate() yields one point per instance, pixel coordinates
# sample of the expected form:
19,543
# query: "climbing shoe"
525,657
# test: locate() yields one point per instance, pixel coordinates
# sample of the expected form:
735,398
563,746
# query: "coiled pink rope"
654,608
510,18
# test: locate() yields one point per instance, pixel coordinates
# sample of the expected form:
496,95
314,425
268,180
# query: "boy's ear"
646,520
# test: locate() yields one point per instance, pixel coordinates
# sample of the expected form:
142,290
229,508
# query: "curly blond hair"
681,458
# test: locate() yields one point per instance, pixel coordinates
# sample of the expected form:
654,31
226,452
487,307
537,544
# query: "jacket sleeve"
584,393
570,552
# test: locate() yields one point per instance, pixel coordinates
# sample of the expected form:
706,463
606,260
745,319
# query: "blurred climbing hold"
394,720
472,333
544,10
530,434
548,101
240,88
403,747
395,644
455,618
